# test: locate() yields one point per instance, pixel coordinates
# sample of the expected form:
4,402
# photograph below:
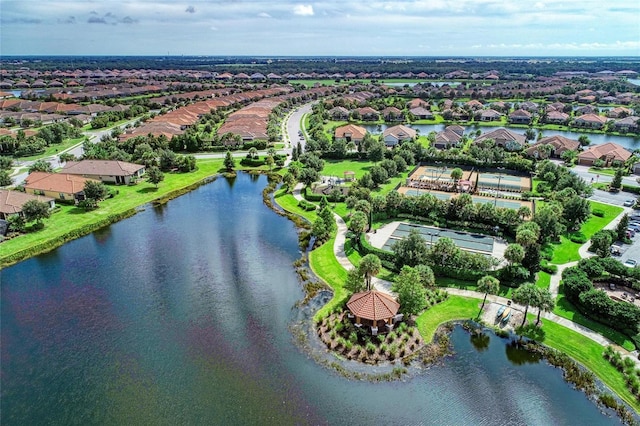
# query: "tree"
5,178
616,183
601,243
584,140
526,295
411,250
621,228
514,253
16,223
253,152
290,181
545,302
369,267
486,285
575,211
548,218
358,223
95,190
67,156
411,294
41,166
154,175
354,283
529,134
229,162
427,278
376,151
34,210
456,175
309,175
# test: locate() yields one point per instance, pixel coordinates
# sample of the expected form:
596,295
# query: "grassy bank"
70,222
454,308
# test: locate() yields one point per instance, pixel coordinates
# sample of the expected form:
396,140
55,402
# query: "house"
350,133
450,137
417,103
61,186
591,121
627,124
421,113
339,113
398,134
556,117
490,115
619,112
560,144
520,116
368,113
609,152
474,104
11,202
108,171
504,138
392,114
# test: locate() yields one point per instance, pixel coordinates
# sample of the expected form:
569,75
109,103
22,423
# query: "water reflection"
518,355
480,341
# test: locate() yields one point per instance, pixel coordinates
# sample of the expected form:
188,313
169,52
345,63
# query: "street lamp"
495,201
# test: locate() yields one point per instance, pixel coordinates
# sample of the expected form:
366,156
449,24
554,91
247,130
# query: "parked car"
629,203
634,226
630,263
631,232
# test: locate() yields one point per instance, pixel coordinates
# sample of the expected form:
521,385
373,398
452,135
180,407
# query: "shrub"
307,206
598,212
370,347
578,237
548,268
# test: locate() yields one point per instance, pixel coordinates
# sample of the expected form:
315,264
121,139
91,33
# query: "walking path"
385,286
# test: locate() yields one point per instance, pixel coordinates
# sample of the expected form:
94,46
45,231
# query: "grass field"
69,218
53,149
544,280
325,265
454,308
567,251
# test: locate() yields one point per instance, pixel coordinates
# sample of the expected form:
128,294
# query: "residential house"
61,186
474,104
609,152
421,113
560,144
392,114
398,134
490,115
529,106
368,114
350,133
339,113
627,124
417,103
450,137
108,171
586,109
11,202
520,116
591,121
619,112
504,138
556,117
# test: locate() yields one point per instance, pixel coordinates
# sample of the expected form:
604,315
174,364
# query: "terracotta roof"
400,132
56,182
373,305
357,132
11,202
101,167
502,135
609,149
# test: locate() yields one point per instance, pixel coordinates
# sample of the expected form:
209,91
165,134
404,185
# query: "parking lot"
631,251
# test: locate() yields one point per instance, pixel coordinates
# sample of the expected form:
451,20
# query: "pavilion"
374,309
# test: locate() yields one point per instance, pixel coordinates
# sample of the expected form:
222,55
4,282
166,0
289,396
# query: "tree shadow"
147,190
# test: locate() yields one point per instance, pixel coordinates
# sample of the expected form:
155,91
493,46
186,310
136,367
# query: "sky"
321,28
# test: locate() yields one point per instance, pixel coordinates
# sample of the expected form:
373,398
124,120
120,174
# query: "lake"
180,315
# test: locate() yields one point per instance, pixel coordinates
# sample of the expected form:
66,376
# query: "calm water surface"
180,315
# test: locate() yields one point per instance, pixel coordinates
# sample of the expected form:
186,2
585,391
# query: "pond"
181,315
628,142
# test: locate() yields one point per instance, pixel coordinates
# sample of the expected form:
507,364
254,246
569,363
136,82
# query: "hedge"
307,206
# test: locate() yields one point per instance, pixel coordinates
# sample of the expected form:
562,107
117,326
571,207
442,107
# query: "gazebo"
374,309
349,176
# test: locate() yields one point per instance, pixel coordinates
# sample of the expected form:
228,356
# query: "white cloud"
303,9
264,15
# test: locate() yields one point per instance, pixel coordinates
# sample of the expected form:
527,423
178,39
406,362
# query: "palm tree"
369,267
486,285
526,295
253,152
545,303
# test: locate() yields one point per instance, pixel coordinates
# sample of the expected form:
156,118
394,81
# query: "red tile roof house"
489,115
108,171
339,113
560,144
392,114
591,121
609,152
628,124
556,117
350,133
449,137
368,113
619,112
504,138
417,103
61,186
421,113
11,202
520,116
398,134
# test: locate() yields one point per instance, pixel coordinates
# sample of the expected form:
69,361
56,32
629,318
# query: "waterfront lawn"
588,353
289,203
565,309
325,265
454,308
72,220
567,251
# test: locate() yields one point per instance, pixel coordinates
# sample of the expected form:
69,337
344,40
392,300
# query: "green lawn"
325,265
599,171
338,167
588,353
567,251
565,309
69,219
544,280
53,149
290,204
454,308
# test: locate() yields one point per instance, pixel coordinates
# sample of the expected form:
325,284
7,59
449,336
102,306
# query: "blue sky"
329,27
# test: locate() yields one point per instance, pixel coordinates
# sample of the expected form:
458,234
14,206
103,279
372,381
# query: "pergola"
375,309
349,176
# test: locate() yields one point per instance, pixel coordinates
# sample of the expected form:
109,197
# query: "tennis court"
503,182
498,202
466,241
